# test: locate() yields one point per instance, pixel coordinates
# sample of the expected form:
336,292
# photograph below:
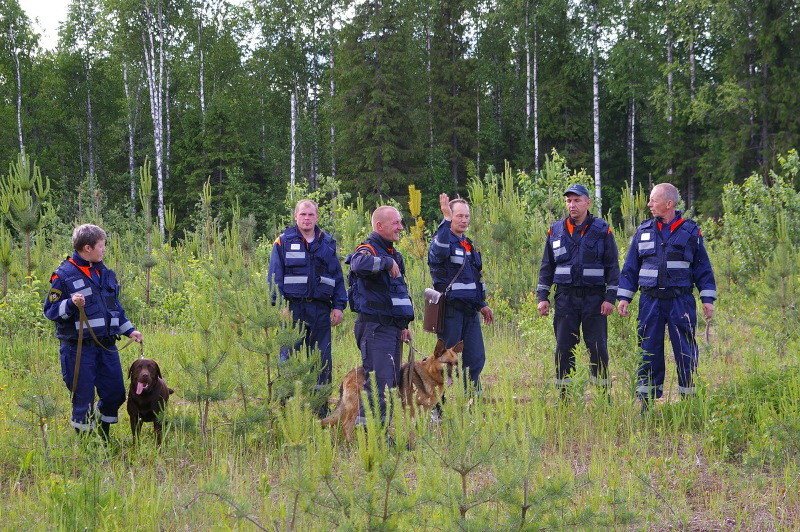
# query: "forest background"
382,94
188,130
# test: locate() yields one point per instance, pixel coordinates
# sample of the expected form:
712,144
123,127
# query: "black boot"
645,406
104,429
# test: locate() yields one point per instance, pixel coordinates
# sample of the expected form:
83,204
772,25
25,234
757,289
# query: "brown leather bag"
433,318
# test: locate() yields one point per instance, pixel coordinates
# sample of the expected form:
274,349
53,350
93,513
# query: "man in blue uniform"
666,259
378,293
306,270
456,270
581,259
82,281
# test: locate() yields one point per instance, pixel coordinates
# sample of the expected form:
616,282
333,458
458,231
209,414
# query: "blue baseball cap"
580,190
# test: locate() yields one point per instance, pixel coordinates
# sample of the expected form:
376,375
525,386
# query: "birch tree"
153,41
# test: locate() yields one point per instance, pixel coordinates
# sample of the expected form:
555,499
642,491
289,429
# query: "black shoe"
104,429
645,406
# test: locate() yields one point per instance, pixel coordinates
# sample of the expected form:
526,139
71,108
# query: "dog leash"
84,321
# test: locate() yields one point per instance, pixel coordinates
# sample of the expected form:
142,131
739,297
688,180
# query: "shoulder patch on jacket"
368,248
54,295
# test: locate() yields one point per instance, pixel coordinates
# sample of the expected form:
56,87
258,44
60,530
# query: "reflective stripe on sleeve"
612,287
327,280
114,322
708,293
542,287
125,327
437,243
295,279
621,292
376,264
62,309
401,302
558,252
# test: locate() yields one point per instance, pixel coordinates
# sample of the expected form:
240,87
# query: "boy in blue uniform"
82,281
666,259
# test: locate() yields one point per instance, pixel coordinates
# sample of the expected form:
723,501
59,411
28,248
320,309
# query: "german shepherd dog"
421,386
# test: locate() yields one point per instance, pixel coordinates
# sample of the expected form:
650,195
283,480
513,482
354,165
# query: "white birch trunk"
293,135
596,112
478,131
632,143
314,109
12,37
202,63
430,86
131,137
90,129
332,93
527,72
154,69
535,96
167,129
670,104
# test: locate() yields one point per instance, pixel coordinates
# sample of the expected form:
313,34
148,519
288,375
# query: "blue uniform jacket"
372,290
446,254
592,261
100,289
679,260
307,270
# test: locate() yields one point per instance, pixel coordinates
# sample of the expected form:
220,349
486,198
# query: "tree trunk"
90,133
596,110
632,143
312,175
332,93
535,95
167,129
154,68
12,38
670,101
202,73
478,131
527,72
131,137
293,146
430,85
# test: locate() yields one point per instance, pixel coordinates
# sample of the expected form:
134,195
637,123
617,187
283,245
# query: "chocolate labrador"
147,396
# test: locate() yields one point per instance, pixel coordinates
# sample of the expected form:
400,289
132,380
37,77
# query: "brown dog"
421,385
147,396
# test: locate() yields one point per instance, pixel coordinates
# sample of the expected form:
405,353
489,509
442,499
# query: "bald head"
668,191
387,222
664,199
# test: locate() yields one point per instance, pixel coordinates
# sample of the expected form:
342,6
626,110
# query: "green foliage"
21,310
752,211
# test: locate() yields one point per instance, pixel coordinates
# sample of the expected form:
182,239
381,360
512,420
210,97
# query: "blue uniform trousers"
463,322
101,370
316,315
381,354
575,311
679,315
